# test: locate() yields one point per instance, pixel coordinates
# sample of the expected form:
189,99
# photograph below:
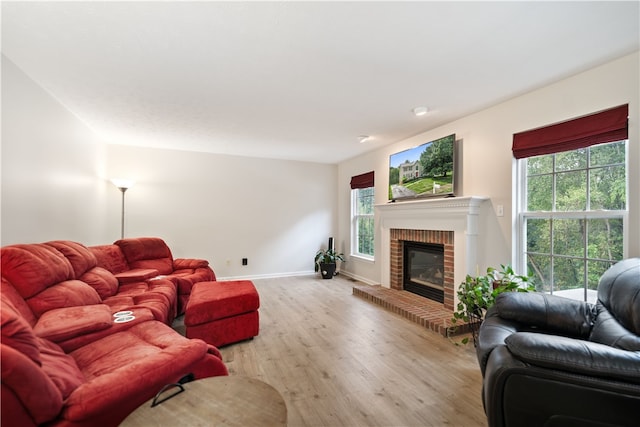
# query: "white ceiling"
300,80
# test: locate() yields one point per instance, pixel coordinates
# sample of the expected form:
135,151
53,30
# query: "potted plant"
477,294
326,262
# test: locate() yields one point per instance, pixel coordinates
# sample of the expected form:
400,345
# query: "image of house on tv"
409,170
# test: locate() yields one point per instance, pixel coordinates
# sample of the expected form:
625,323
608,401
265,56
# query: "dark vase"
327,270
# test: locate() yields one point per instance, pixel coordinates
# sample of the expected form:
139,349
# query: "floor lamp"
123,185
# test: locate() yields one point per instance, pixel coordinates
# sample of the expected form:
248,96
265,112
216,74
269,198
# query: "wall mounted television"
427,170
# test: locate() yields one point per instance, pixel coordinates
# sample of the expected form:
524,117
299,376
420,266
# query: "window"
362,219
573,218
572,210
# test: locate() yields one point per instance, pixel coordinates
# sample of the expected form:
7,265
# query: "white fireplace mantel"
458,214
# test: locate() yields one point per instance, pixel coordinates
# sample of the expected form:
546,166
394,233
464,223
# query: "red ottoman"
222,312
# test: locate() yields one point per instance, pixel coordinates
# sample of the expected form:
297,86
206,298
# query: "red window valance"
605,126
365,180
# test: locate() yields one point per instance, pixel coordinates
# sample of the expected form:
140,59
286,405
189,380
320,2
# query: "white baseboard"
267,276
359,278
297,273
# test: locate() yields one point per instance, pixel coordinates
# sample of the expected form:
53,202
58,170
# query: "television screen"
424,171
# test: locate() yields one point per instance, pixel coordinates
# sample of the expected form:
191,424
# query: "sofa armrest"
140,315
493,333
573,355
549,313
136,275
184,263
61,324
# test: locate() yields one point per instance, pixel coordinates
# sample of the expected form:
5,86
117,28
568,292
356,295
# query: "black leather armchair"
552,361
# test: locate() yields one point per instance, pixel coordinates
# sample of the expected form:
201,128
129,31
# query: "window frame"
522,215
355,217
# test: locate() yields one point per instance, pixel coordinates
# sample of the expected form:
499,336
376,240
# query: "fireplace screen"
424,269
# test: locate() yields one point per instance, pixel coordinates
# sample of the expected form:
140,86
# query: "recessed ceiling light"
420,111
364,138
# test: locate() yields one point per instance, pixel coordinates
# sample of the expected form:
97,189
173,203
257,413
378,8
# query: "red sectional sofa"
128,258
65,361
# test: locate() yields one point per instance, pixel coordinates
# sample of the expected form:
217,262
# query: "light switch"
500,210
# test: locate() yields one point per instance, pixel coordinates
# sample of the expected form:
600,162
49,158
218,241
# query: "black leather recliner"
553,361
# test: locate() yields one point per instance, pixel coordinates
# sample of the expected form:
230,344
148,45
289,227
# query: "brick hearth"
423,311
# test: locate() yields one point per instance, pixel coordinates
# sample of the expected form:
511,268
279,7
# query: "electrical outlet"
500,210
245,261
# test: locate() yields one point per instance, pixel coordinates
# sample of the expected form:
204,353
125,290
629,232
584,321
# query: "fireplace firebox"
423,269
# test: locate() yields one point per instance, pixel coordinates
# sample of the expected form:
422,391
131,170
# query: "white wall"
55,185
276,213
51,168
487,161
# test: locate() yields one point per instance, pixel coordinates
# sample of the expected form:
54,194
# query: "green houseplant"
326,260
477,294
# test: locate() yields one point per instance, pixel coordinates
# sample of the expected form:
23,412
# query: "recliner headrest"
619,292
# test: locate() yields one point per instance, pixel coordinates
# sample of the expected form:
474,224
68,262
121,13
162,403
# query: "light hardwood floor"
340,361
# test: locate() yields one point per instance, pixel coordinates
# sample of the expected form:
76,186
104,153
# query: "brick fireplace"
445,238
452,222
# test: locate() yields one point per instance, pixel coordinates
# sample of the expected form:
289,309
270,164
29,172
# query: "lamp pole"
123,185
123,189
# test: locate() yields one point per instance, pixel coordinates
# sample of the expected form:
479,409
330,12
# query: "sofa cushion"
125,369
24,378
20,362
147,252
60,367
17,333
80,257
133,346
64,323
110,257
186,263
102,280
32,268
11,295
159,296
69,293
